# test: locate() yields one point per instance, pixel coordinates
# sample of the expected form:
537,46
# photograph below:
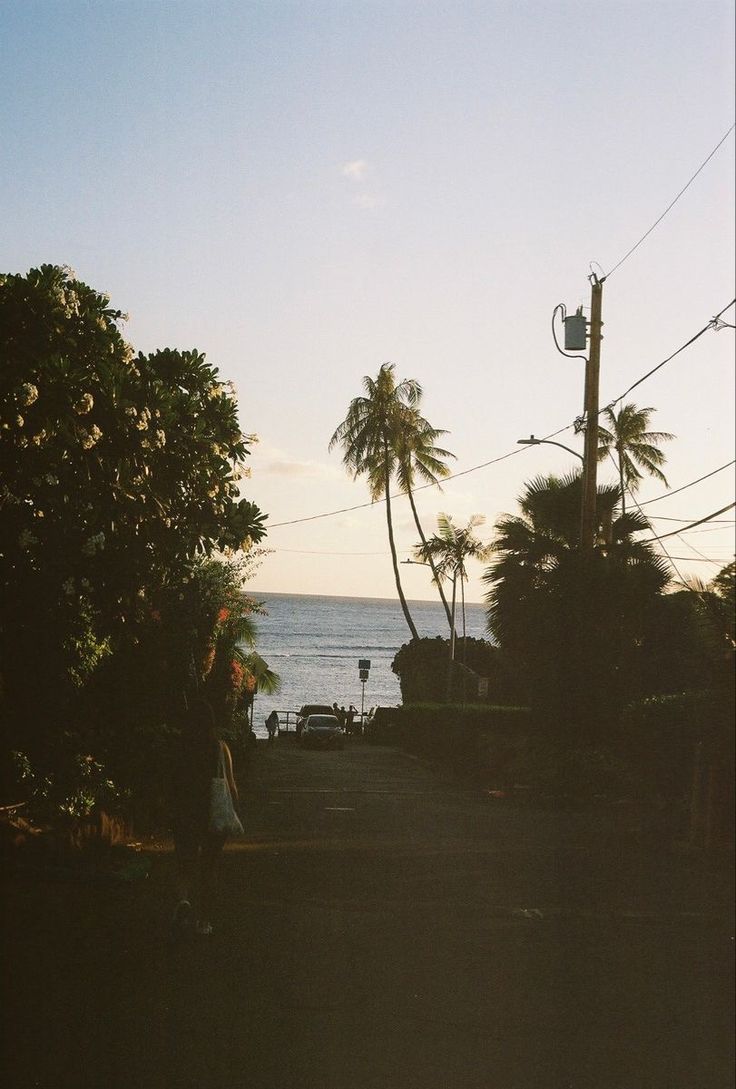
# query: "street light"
531,441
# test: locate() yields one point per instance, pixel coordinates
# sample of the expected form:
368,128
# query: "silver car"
322,732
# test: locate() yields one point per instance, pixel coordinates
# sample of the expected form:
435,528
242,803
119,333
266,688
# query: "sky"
307,190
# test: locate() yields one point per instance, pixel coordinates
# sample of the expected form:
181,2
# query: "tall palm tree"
418,458
450,549
635,447
531,545
368,437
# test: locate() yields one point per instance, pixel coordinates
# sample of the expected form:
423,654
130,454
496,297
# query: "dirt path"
379,928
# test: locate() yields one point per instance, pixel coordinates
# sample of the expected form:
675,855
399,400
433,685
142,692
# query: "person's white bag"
223,818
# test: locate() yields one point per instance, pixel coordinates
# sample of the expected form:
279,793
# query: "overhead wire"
666,495
700,521
513,453
634,500
672,203
709,325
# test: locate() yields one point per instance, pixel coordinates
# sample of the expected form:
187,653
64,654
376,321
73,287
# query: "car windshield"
323,721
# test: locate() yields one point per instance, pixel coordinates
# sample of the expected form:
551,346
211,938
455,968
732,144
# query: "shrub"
422,668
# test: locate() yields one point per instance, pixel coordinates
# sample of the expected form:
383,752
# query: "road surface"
382,927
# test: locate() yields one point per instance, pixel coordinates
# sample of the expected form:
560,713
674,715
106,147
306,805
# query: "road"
381,927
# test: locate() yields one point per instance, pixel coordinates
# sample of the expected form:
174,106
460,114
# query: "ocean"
314,644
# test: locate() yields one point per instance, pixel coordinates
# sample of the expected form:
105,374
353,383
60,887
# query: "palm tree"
571,624
368,437
419,458
532,544
635,447
450,549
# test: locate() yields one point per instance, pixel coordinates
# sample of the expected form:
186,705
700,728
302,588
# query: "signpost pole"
364,665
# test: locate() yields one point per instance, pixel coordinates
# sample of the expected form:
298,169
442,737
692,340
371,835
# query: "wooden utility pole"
590,465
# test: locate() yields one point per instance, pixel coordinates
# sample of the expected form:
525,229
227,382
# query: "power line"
677,532
666,495
672,203
664,518
698,559
641,512
512,453
709,325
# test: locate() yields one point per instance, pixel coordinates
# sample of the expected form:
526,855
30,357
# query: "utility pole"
590,462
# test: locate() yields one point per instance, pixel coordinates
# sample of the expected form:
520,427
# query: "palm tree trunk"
420,531
462,598
451,660
394,558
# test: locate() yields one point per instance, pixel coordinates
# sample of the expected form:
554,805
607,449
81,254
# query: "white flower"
143,419
131,412
19,421
39,437
51,479
160,438
85,404
27,394
91,437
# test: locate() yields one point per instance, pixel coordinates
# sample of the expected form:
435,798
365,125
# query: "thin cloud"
355,169
279,463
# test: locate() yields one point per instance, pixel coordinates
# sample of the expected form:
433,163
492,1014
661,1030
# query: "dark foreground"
381,929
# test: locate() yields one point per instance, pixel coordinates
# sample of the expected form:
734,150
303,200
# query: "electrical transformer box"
575,332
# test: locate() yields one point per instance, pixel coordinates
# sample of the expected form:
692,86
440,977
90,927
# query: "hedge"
469,736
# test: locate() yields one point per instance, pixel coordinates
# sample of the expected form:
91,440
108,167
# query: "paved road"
382,928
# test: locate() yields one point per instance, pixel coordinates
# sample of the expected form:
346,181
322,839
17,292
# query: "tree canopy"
119,469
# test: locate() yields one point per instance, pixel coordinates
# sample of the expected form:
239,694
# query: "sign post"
364,665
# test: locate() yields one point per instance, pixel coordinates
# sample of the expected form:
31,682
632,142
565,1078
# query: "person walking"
199,757
272,725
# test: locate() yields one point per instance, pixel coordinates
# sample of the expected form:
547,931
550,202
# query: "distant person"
272,725
336,711
350,721
343,717
196,762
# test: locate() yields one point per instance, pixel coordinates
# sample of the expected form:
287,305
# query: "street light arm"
531,441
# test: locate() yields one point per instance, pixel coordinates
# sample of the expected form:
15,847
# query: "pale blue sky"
307,190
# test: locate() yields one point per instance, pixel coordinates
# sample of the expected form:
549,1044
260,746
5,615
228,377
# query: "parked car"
380,725
311,709
322,732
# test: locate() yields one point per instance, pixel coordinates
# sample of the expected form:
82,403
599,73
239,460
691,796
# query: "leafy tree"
635,447
419,458
368,436
118,469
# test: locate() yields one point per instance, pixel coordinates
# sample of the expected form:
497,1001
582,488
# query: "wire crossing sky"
307,191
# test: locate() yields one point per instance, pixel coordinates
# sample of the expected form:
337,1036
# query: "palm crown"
634,446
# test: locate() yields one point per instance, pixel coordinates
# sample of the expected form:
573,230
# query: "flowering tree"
118,469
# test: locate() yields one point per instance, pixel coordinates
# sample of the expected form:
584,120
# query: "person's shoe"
204,928
181,920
